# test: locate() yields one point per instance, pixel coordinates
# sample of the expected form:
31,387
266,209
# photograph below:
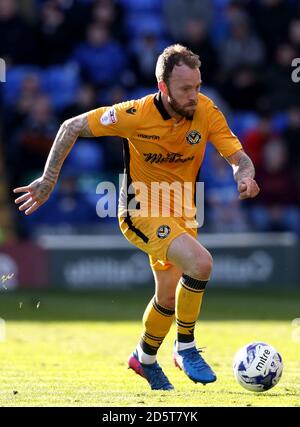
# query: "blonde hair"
175,54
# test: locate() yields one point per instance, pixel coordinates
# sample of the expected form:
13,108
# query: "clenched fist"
248,188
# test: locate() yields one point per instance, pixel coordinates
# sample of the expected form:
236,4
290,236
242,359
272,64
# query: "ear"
163,88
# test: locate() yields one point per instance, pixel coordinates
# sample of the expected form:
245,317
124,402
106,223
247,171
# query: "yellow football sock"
189,294
157,321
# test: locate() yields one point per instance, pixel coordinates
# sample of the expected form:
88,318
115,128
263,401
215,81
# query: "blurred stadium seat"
87,157
61,84
15,77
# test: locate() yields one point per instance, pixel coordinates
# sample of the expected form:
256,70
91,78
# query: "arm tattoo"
63,143
242,165
44,190
244,168
85,131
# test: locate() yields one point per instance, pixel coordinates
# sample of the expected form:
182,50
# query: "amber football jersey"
161,152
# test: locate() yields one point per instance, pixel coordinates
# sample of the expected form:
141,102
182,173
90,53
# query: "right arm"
65,139
120,119
39,190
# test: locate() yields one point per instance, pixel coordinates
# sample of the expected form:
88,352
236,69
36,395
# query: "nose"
193,98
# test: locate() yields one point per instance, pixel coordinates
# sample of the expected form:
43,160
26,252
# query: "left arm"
227,143
243,172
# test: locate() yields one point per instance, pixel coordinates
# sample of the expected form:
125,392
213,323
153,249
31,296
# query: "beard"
179,109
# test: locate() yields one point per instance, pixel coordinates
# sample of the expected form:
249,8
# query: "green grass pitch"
71,349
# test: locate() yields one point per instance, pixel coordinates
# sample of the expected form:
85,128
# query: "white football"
257,366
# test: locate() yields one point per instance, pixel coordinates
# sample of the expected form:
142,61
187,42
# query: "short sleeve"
220,135
117,120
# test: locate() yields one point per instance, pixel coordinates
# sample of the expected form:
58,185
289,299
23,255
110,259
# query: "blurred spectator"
196,38
33,139
255,139
29,91
271,18
61,25
242,46
178,12
281,90
141,16
14,117
294,35
144,53
277,207
243,88
100,58
71,16
85,101
117,94
17,43
54,39
292,136
109,14
225,11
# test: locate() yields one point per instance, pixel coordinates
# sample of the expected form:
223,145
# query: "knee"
201,266
166,301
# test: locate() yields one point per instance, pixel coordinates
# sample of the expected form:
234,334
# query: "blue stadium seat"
142,5
143,15
139,23
241,122
141,92
86,157
280,121
220,27
14,79
62,84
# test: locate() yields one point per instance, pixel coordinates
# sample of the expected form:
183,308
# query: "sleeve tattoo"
66,137
242,165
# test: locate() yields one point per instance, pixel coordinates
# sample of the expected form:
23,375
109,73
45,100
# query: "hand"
36,194
248,188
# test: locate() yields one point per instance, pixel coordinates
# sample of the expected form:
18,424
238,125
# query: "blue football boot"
194,366
152,373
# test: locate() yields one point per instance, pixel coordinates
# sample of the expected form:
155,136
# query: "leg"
191,257
159,314
165,286
157,320
196,263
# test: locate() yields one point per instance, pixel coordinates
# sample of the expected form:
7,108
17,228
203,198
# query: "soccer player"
165,136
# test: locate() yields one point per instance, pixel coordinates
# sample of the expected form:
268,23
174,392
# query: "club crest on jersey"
193,137
109,117
163,231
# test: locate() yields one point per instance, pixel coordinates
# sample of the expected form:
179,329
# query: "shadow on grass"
54,305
